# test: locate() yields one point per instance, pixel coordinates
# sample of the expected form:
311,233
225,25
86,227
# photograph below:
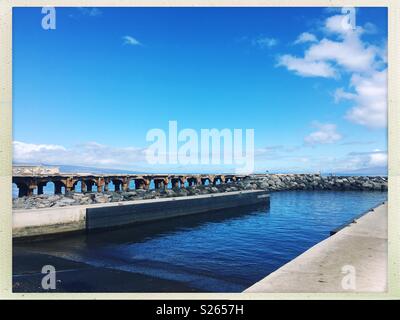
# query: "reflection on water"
219,251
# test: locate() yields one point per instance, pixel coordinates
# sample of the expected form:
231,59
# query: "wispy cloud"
264,42
92,12
129,40
354,143
364,160
307,67
325,133
306,37
86,11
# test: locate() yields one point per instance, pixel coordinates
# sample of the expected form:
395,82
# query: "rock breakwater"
269,182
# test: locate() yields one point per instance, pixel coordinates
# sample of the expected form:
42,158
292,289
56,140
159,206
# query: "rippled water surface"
224,251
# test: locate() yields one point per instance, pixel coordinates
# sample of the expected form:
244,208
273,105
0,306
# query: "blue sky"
87,92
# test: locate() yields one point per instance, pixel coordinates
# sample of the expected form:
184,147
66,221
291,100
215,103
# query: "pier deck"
360,247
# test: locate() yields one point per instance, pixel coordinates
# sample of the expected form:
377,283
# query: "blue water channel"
220,251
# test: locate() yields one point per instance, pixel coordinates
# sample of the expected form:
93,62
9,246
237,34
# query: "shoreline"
266,182
359,249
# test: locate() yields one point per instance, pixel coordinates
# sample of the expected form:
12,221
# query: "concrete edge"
267,281
48,221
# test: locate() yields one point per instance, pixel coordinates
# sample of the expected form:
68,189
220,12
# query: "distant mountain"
370,171
82,169
68,168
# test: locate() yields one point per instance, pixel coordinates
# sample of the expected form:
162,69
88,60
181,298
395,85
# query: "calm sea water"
220,252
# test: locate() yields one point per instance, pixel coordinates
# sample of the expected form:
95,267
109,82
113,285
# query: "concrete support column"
22,190
182,181
175,183
57,187
146,184
100,184
125,185
31,188
40,188
69,185
106,182
89,186
83,186
165,183
117,185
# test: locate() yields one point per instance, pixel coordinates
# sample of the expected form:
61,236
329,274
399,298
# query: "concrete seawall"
352,260
36,222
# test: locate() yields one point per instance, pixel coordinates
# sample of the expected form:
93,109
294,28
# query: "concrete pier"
29,183
37,222
352,260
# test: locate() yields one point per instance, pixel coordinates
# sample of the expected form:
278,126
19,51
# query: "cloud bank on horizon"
353,67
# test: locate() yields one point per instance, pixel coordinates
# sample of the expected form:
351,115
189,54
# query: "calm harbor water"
218,252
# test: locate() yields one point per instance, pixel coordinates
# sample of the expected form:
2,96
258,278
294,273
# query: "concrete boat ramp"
354,259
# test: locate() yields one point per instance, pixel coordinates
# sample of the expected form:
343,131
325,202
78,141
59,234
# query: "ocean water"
219,251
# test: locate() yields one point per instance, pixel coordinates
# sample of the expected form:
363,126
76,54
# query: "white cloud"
370,98
264,42
340,25
361,160
337,24
131,41
28,152
370,28
341,94
347,53
307,68
87,154
325,134
92,12
306,37
378,159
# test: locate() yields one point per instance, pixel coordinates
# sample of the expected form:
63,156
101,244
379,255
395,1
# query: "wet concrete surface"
74,276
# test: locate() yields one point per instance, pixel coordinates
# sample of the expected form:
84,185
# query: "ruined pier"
64,183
